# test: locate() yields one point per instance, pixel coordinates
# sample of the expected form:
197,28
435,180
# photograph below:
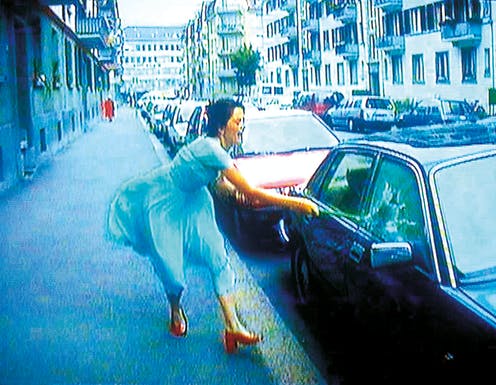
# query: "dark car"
279,151
435,111
406,236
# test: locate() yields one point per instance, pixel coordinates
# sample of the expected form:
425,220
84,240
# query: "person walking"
168,215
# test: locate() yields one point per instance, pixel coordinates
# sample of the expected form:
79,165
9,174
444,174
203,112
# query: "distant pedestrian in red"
109,109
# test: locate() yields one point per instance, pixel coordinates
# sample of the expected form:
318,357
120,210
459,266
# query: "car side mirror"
390,253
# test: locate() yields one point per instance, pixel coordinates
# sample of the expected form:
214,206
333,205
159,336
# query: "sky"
157,12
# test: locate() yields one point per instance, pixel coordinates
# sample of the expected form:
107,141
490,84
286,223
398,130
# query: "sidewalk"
76,308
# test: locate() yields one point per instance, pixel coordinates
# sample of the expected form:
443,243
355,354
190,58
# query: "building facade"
220,28
152,58
57,63
399,48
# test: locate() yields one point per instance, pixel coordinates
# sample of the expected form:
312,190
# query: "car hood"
484,295
280,170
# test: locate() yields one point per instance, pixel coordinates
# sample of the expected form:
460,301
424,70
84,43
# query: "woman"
168,215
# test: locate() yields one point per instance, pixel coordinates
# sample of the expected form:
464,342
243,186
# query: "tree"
246,63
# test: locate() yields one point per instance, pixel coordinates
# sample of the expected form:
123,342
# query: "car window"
466,199
357,103
382,104
395,211
343,188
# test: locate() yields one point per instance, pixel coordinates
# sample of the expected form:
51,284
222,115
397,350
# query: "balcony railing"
391,44
107,55
230,29
226,73
290,60
288,5
389,5
314,56
310,24
289,31
92,31
462,34
348,50
346,14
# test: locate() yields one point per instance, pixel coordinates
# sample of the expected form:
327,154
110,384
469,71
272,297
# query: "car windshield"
468,206
285,134
382,104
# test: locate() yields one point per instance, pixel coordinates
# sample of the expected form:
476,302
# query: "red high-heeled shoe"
233,339
179,329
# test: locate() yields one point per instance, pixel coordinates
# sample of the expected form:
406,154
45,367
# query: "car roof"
434,144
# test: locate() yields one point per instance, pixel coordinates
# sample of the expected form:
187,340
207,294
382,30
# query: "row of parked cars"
365,113
405,233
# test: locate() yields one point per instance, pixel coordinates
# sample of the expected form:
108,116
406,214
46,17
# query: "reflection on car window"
344,186
466,199
395,212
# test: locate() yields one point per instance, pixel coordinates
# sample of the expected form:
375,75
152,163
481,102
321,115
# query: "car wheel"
301,274
351,125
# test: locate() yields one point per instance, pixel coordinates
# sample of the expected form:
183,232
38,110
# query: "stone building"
58,61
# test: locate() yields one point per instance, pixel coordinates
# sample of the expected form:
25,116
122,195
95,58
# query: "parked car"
279,151
434,111
175,127
406,237
362,113
197,122
318,102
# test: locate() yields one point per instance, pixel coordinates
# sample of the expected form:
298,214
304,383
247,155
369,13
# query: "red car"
279,150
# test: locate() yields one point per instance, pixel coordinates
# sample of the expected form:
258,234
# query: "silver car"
362,113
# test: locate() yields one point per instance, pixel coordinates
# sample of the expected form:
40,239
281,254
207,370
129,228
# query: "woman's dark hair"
219,113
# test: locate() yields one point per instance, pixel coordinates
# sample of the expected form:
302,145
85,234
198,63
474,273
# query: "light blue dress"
168,215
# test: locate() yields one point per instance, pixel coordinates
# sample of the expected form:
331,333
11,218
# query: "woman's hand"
305,206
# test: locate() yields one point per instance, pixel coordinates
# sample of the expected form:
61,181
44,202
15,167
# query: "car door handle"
356,252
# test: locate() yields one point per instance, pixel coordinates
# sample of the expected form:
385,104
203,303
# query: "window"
442,67
346,183
328,77
469,65
487,62
418,69
340,74
353,71
395,212
397,64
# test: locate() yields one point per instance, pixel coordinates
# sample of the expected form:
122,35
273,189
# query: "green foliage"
246,63
403,105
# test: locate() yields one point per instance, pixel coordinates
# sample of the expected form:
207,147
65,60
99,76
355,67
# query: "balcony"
81,4
389,5
289,5
391,44
224,52
348,50
310,24
227,73
346,14
290,60
230,29
107,55
314,56
92,31
289,31
462,34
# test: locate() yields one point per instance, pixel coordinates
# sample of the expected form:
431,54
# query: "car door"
329,235
395,212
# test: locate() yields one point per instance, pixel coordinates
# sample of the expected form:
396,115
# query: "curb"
282,354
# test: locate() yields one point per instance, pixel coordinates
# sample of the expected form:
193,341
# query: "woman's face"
231,134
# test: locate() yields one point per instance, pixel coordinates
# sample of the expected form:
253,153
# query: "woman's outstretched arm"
235,184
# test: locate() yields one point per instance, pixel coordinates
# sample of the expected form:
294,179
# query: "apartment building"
220,28
399,48
58,60
153,58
